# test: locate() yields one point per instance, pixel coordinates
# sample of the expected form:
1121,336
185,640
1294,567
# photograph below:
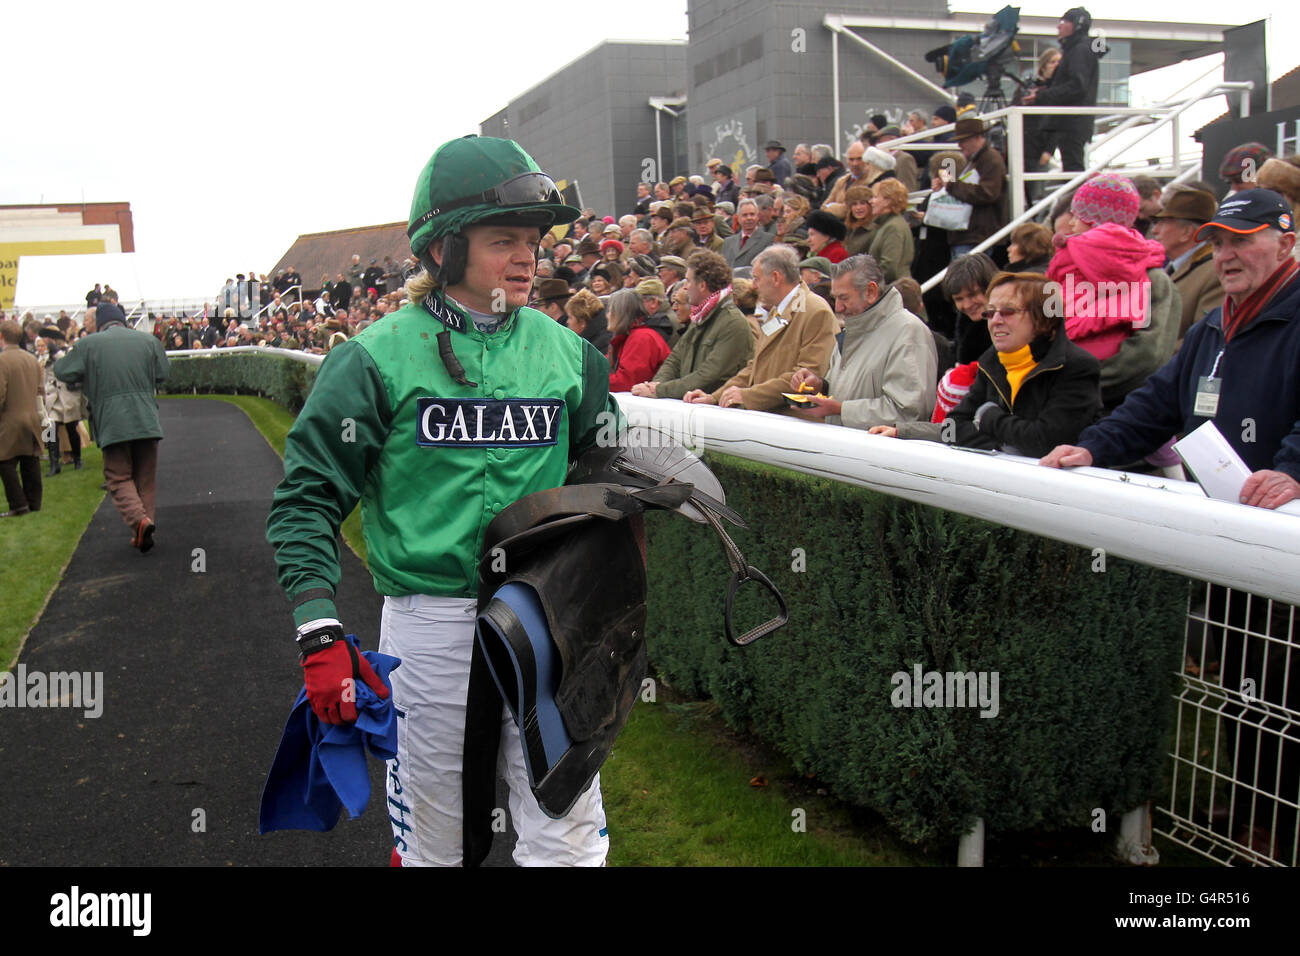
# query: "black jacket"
341,293
1073,84
838,173
597,332
1057,400
662,323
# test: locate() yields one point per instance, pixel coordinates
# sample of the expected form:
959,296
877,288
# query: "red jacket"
834,251
635,357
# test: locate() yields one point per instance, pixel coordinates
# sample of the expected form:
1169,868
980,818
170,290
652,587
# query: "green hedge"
1087,661
283,380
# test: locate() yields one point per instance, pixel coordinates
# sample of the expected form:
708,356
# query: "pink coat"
1104,289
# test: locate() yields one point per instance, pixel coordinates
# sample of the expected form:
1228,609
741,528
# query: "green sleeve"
71,368
328,452
888,252
598,410
672,366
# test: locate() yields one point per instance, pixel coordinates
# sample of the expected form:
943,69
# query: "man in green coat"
119,369
718,343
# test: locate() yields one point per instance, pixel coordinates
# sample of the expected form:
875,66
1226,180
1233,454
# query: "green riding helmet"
477,179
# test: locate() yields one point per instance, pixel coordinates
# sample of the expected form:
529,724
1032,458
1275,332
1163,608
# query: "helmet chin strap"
450,271
455,258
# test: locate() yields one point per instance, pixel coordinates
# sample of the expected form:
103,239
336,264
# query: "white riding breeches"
434,638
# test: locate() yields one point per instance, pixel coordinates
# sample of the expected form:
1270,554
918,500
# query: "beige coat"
20,416
62,404
887,368
806,341
842,185
1198,286
906,170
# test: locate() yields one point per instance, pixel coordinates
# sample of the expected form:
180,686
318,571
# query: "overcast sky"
233,128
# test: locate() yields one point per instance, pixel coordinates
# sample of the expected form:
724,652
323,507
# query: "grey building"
760,70
807,71
592,122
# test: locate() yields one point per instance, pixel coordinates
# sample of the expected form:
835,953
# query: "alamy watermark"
76,689
77,909
1084,299
947,689
649,431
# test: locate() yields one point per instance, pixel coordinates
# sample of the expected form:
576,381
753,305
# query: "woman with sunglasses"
1033,386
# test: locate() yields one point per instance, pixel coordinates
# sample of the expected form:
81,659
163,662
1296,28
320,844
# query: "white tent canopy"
65,280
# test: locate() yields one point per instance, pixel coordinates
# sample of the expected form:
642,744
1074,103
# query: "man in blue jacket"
1240,366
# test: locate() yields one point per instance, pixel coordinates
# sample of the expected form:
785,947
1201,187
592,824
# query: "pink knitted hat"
1107,197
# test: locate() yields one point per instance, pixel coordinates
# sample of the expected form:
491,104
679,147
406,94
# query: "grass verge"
36,548
683,789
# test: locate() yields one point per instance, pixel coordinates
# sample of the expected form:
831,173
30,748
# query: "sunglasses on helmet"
529,189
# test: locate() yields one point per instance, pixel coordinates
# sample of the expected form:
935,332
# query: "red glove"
331,667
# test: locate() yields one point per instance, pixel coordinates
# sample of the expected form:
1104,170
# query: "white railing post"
1016,161
1134,842
835,84
1176,126
970,851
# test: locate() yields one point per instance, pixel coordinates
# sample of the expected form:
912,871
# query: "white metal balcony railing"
1156,118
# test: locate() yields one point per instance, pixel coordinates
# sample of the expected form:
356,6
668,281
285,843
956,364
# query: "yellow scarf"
1018,364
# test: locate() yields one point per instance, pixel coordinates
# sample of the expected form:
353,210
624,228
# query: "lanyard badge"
1207,391
1207,396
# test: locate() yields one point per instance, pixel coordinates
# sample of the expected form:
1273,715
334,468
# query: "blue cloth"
555,740
320,768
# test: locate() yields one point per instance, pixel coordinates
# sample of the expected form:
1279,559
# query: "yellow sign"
10,252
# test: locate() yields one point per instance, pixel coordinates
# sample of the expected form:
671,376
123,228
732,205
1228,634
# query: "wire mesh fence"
1235,770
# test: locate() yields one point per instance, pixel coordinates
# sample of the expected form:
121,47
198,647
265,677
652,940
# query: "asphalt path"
199,675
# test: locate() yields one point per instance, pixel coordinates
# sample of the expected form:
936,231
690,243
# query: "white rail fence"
1236,755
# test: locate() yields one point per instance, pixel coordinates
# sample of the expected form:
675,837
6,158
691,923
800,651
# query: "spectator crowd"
794,287
283,312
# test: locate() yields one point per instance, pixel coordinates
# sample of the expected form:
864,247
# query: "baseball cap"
1251,210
